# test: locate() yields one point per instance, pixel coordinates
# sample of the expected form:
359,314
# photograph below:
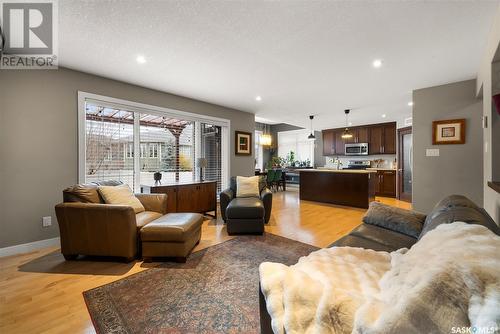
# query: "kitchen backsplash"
387,160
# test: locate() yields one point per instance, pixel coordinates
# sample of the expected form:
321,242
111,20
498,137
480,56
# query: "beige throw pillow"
121,195
247,186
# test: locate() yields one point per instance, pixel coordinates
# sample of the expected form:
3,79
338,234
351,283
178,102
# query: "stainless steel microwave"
356,149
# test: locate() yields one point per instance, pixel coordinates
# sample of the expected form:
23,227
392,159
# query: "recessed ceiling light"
141,59
377,63
384,115
410,103
258,98
350,123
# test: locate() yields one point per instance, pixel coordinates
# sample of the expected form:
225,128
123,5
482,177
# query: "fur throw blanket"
447,281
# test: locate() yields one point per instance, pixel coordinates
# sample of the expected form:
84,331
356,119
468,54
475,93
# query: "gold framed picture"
243,143
450,131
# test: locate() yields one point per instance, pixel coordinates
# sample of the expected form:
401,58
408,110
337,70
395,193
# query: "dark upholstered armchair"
247,214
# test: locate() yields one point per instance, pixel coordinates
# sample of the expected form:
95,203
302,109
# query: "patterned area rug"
215,291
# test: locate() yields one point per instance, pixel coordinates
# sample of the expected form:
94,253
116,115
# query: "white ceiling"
302,57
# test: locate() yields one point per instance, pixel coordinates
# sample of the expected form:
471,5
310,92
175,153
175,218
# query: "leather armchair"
88,226
266,196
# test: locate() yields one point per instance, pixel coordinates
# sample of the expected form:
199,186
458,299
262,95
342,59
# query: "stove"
358,164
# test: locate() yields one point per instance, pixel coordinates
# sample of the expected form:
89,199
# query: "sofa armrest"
153,202
266,196
97,229
226,196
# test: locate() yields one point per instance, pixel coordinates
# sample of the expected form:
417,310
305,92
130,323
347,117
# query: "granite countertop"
345,171
380,168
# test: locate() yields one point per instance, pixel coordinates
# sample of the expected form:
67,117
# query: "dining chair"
278,179
270,178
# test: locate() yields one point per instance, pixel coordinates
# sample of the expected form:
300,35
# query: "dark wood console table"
196,196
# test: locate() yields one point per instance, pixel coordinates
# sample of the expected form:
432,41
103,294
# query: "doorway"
405,168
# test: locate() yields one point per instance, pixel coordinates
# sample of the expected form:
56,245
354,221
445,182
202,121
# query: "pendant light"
347,134
266,139
311,136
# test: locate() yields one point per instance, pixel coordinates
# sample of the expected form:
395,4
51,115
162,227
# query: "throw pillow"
85,193
121,195
399,220
247,186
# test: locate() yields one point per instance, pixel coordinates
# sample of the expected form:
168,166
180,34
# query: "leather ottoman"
172,235
245,216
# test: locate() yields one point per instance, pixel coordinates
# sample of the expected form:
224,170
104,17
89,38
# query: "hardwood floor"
42,293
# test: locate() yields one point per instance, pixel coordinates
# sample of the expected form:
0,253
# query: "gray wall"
38,141
459,168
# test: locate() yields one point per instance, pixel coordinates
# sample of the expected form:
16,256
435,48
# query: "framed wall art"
243,143
450,131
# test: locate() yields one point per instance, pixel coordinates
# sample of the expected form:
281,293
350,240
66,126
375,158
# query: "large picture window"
296,141
130,142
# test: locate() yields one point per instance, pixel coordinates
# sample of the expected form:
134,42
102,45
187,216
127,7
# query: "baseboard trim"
29,247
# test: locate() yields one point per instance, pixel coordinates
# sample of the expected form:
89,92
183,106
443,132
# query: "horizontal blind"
108,135
131,146
211,149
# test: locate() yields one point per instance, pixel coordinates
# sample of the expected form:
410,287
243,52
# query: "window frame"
137,107
259,151
303,133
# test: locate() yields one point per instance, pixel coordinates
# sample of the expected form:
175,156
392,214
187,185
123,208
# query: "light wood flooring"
42,293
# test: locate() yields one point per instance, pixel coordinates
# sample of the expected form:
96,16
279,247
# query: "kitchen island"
344,187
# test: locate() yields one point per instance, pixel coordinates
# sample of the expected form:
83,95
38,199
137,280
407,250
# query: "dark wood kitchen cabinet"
329,142
389,142
376,140
339,142
381,139
386,185
362,134
199,197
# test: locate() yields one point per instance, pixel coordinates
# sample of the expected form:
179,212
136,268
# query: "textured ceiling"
302,57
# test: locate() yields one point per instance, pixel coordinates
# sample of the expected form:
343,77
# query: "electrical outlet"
46,221
432,152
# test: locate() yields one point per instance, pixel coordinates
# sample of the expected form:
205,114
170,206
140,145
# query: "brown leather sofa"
88,226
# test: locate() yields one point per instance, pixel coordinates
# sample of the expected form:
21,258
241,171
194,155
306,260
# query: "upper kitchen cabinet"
328,142
376,139
381,139
339,142
389,138
362,134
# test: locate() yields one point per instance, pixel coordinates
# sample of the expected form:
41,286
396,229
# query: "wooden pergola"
175,126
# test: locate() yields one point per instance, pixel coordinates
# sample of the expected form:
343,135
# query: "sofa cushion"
84,193
384,236
172,227
245,208
400,220
356,241
145,217
247,186
122,195
466,214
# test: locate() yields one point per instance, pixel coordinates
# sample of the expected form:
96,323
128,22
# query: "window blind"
108,134
131,146
211,149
